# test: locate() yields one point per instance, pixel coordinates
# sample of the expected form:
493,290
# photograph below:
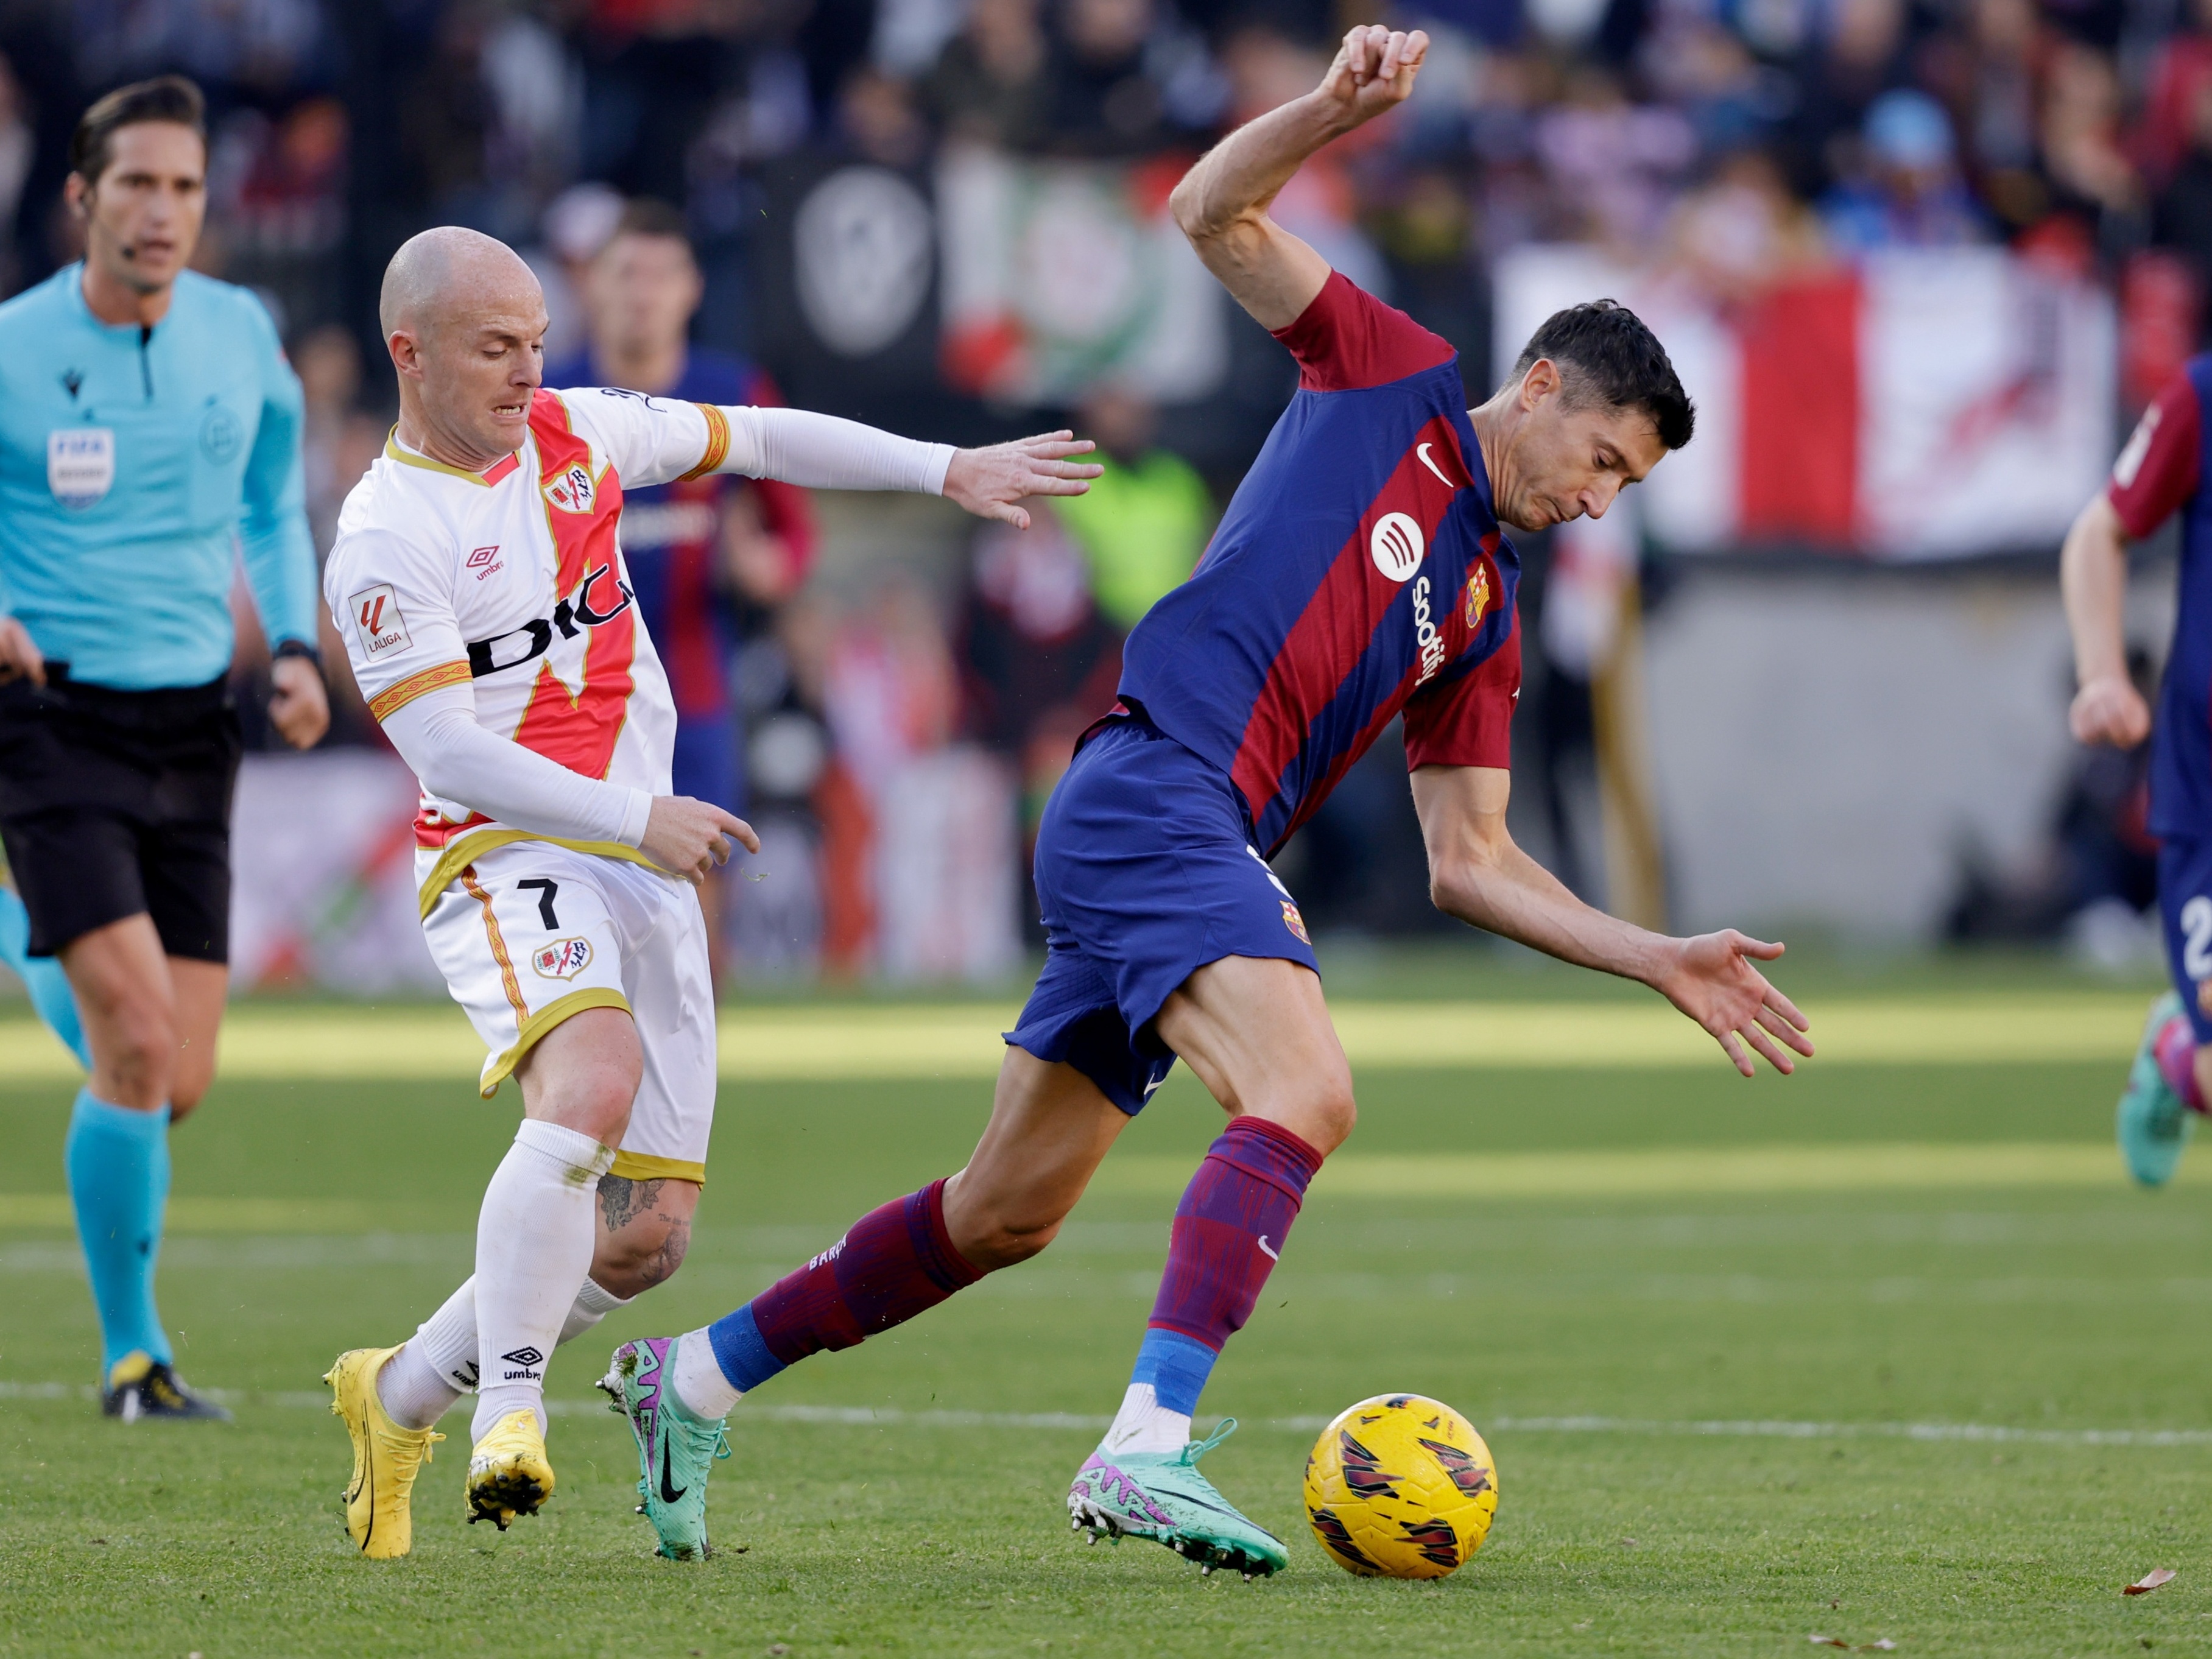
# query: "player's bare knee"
644,1228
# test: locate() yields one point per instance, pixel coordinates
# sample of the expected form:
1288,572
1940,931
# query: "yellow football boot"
508,1473
386,1457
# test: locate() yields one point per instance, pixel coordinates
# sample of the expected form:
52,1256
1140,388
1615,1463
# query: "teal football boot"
676,1451
2154,1123
1163,1497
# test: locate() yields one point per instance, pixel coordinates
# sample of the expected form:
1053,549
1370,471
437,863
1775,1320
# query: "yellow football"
1402,1486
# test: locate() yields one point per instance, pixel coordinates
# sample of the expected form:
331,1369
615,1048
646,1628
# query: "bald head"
465,322
452,271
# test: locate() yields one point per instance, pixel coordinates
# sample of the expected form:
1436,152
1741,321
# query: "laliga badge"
564,958
80,464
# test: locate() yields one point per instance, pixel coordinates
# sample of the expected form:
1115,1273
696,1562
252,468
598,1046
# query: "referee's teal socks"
42,976
118,1179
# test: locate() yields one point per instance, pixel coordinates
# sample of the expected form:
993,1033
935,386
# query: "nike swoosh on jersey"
1422,450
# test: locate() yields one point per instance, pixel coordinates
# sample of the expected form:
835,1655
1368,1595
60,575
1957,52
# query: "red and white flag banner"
1919,405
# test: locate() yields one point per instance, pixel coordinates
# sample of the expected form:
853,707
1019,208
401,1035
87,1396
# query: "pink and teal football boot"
2154,1123
676,1451
1163,1497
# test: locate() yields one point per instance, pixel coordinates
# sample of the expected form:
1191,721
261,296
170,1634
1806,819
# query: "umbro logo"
524,1357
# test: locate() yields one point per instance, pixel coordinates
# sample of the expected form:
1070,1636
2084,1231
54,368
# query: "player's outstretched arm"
1222,204
1478,874
2093,575
825,452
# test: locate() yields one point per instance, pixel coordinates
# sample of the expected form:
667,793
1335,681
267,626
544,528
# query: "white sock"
534,1239
593,1303
435,1366
1142,1424
438,1364
699,1383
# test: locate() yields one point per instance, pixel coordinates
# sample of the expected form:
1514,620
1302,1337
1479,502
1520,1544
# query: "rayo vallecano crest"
571,491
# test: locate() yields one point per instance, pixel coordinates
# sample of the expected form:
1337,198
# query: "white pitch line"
893,1417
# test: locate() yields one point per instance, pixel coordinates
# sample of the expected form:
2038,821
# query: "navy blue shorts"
2185,902
708,764
1145,875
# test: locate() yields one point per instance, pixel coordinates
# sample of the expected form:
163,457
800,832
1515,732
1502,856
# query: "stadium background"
1888,1351
1917,261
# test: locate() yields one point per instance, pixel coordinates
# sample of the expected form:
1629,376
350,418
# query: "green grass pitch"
1559,1325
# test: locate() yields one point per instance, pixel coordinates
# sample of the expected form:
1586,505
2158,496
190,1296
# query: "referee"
149,435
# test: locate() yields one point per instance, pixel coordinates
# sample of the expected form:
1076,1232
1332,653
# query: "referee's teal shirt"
136,466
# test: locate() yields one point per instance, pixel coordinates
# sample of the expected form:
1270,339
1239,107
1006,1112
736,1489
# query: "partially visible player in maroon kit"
2160,473
1360,575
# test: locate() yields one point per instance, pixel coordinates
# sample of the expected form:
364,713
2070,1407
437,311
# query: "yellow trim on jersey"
394,698
392,452
644,1166
508,981
473,845
532,1030
717,450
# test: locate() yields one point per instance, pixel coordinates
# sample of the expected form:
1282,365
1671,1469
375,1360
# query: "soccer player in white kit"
478,581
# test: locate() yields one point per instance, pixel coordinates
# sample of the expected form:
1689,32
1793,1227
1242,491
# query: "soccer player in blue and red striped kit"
2161,472
1359,575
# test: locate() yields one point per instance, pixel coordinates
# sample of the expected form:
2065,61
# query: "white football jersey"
511,581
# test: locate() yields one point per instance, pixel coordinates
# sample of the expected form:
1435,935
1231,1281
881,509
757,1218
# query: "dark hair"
165,98
642,215
1606,356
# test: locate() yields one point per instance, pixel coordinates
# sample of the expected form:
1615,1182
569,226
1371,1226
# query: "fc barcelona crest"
1477,596
573,490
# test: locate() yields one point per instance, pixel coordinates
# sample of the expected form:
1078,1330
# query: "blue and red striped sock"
896,1262
1229,1231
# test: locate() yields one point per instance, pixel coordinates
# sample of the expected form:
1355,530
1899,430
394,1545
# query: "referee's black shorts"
113,803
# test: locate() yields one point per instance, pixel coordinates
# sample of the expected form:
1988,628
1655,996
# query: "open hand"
2111,710
688,838
1374,70
989,482
20,656
1712,980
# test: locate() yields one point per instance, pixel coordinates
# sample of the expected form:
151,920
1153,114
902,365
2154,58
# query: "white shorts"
531,933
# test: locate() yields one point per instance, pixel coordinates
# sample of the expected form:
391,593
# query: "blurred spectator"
1742,232
1616,165
989,85
2082,140
1125,77
2180,74
712,558
1144,523
2183,220
1908,191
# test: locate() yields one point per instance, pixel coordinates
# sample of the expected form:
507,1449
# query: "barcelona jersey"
1358,574
2162,471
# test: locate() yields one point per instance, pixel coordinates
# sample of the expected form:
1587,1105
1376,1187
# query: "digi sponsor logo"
573,492
1425,636
564,958
1297,924
377,621
1396,544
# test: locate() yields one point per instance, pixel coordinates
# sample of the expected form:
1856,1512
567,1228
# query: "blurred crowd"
1737,142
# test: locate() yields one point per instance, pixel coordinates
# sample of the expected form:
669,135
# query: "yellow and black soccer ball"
1402,1486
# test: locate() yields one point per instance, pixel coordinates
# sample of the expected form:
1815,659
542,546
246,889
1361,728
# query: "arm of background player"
2155,474
1478,874
275,545
1222,203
